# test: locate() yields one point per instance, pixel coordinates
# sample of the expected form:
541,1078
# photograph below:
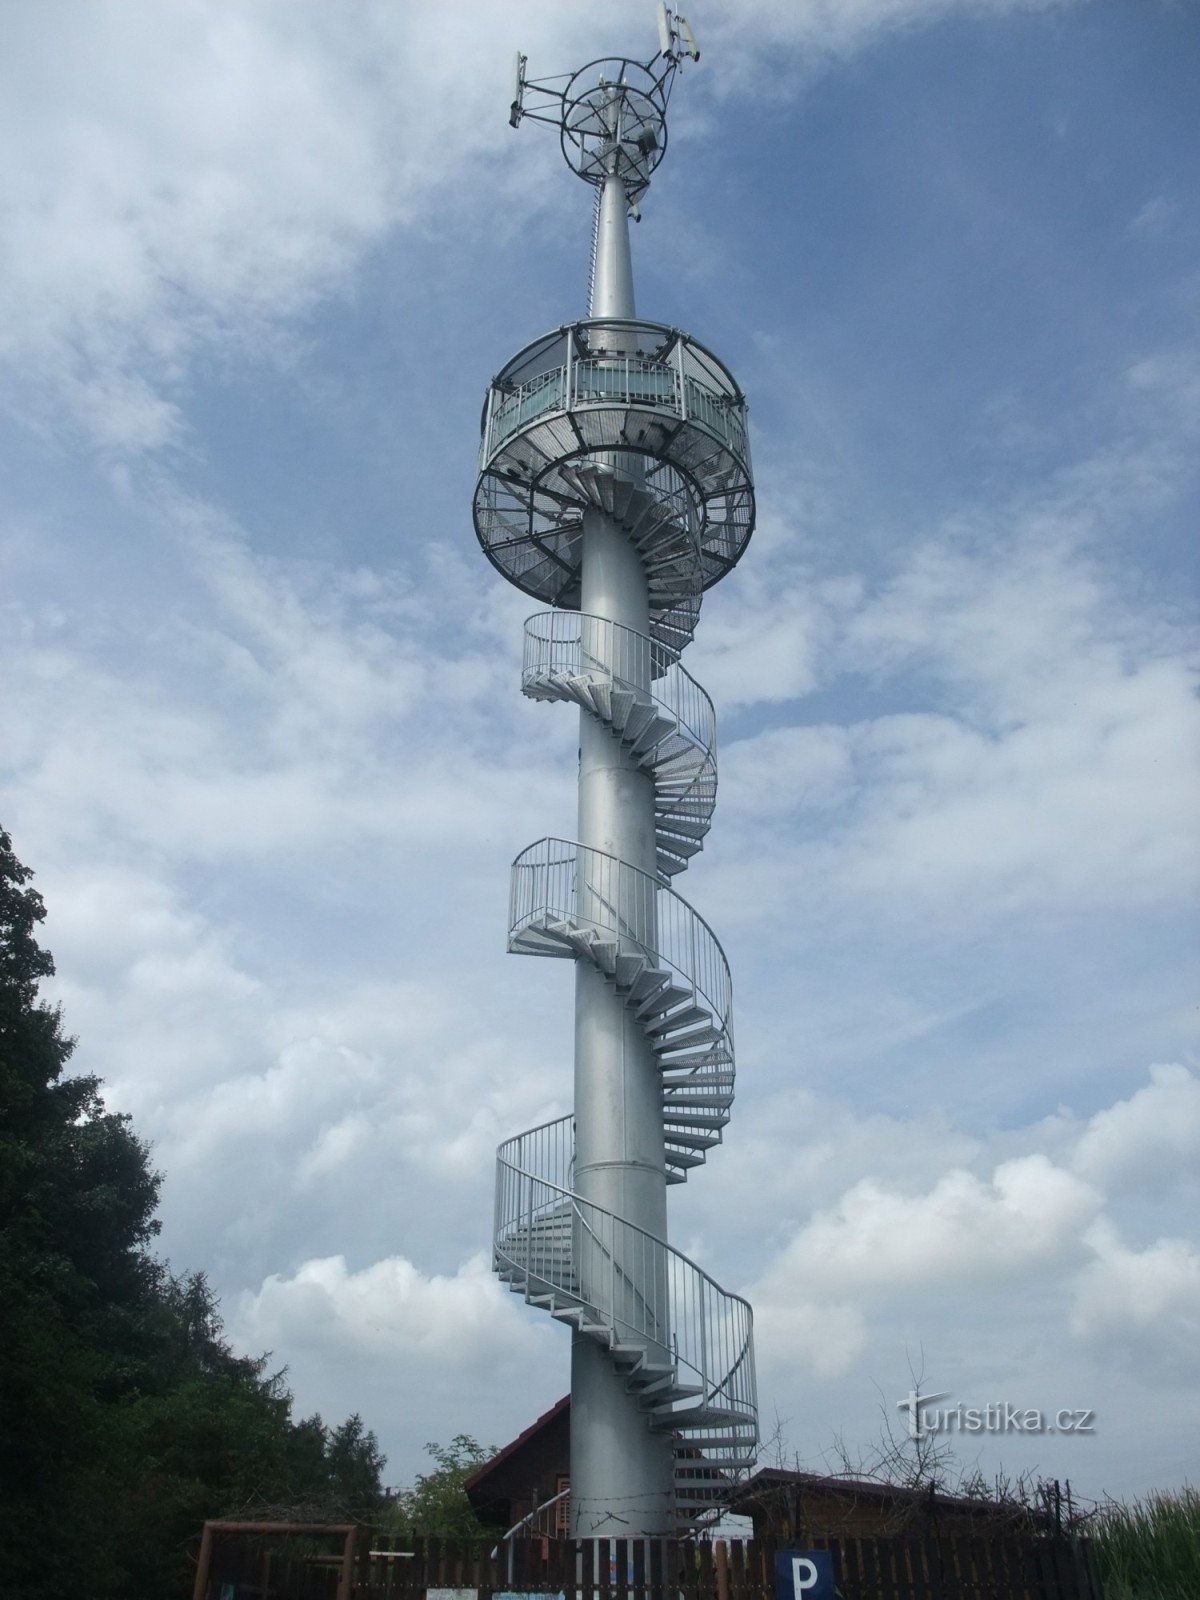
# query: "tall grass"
1150,1550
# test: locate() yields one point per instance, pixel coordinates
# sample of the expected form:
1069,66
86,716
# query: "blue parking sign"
804,1575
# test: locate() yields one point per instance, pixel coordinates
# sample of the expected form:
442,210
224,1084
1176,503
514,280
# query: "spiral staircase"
639,422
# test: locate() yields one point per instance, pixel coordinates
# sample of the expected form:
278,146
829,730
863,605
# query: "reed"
1150,1549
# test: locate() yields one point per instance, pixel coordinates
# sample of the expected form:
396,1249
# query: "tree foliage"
125,1417
437,1503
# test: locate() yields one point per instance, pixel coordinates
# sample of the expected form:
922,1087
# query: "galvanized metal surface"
615,484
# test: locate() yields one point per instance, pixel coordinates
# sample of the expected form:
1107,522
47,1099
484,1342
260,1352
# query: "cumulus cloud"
876,1255
1055,767
389,1310
1029,1214
1141,1307
1152,1137
435,1353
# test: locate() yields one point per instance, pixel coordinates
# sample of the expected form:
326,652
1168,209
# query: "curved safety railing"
636,685
599,391
568,895
645,1301
616,361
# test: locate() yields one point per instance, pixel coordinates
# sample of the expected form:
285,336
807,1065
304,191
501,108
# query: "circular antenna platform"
615,121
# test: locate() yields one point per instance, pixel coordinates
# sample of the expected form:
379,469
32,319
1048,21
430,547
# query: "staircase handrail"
717,1355
646,899
637,661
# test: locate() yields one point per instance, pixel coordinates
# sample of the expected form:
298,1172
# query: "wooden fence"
1001,1566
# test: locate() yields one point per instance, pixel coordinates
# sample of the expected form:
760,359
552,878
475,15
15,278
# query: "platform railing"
637,1286
560,881
573,367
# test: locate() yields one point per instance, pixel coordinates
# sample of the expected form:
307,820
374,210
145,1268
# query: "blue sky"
263,741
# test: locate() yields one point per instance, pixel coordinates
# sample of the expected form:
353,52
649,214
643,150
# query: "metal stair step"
659,727
679,1118
669,842
632,1353
602,697
569,475
713,1064
699,1036
704,1068
582,688
604,954
683,1158
629,969
649,983
710,1417
673,1021
668,995
687,827
690,1139
650,1400
623,702
687,793
651,1373
701,1440
695,800
677,765
637,719
658,526
668,819
642,510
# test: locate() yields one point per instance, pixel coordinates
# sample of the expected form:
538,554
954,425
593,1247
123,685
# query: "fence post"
346,1576
721,1557
203,1563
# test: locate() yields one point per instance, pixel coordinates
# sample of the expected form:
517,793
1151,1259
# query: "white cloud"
422,1355
1061,771
1029,1214
389,1310
1151,1138
794,1335
1142,1306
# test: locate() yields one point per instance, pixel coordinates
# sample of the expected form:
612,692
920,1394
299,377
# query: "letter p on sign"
804,1575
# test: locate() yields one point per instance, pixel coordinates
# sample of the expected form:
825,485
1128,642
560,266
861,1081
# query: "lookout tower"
614,488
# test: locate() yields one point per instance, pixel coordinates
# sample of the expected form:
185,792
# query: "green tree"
125,1417
437,1503
77,1198
354,1463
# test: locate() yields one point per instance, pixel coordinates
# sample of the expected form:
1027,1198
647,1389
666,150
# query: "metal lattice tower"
615,487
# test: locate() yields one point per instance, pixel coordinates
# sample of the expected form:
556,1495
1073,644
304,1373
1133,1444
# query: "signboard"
525,1594
804,1575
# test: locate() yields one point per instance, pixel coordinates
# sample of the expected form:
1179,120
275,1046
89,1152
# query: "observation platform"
635,418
